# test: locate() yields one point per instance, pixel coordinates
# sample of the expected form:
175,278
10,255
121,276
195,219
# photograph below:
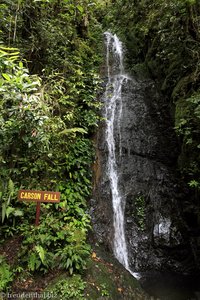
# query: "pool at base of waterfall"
170,286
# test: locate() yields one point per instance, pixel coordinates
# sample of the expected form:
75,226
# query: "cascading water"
113,112
138,158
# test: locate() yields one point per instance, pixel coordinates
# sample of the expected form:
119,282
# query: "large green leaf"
40,250
73,130
80,8
6,76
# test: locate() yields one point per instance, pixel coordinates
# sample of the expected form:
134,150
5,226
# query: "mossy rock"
103,279
141,71
107,279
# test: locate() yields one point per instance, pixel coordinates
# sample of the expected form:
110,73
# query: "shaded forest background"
51,52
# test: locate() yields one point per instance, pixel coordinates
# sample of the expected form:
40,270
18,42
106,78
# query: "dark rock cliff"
147,150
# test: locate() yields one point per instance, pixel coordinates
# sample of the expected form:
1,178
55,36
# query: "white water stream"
113,115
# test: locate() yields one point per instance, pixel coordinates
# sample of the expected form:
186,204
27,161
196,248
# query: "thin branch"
15,28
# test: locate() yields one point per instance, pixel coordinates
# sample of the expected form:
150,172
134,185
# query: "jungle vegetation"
50,57
50,52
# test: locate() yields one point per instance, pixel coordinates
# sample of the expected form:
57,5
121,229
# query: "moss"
104,278
141,70
182,110
107,279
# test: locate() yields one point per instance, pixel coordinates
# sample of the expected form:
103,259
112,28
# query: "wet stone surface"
146,149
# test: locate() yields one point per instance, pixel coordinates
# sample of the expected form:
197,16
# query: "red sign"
39,196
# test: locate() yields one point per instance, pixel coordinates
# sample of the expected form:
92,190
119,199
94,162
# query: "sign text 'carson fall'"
39,196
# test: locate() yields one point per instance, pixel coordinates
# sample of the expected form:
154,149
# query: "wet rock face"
146,152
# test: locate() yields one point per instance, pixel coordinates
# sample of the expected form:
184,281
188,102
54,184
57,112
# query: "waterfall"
113,113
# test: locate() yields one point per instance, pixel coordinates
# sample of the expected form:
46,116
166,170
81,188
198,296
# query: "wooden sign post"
38,196
37,216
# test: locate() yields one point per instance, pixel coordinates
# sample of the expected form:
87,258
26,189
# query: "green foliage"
163,34
48,113
188,127
23,118
140,211
40,120
6,276
59,241
7,193
10,214
69,288
104,290
73,256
